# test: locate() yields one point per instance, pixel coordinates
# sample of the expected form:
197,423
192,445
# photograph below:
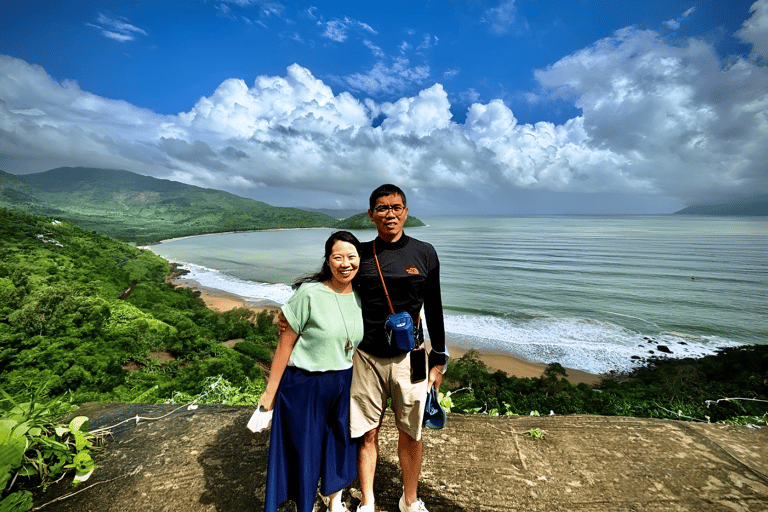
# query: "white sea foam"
258,293
583,344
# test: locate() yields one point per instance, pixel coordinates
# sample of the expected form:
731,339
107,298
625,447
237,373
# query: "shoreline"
219,300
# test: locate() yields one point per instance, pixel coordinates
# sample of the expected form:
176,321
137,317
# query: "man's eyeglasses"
382,209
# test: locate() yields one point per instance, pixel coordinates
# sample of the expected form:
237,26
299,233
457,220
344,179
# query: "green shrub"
217,390
683,389
252,349
36,448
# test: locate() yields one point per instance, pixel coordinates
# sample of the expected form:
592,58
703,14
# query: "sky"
473,107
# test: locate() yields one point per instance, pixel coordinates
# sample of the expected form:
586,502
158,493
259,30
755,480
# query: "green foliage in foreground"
730,386
653,391
62,321
36,448
216,390
81,316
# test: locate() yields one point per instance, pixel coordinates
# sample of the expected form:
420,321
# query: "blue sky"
502,106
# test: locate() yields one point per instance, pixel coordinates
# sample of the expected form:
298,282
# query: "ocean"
594,293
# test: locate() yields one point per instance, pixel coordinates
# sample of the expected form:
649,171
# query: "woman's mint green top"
324,321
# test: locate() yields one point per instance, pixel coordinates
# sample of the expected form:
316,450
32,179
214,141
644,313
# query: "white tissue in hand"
260,420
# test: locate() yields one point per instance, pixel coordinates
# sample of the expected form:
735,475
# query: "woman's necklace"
348,345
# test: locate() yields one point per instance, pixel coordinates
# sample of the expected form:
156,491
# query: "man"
381,371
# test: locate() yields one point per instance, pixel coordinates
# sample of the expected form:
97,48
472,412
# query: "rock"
664,348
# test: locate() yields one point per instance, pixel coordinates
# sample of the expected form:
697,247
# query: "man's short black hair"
386,190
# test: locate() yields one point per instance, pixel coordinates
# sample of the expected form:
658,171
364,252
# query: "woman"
309,381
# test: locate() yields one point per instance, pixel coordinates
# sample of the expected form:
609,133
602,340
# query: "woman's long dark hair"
325,273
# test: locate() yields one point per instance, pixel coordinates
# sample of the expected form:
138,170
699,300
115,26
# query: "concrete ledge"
206,460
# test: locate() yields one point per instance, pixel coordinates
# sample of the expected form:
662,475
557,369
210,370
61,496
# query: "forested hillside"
362,221
141,209
85,313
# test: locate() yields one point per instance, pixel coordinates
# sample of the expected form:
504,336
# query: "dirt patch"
130,366
206,460
162,355
232,343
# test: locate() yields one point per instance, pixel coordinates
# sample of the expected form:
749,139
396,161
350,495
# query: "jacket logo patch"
412,270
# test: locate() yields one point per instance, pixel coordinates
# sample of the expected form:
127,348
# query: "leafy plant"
217,390
13,443
250,348
17,502
536,433
36,448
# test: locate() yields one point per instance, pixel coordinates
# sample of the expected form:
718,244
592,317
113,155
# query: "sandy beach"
222,301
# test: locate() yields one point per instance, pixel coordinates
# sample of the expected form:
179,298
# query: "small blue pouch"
399,329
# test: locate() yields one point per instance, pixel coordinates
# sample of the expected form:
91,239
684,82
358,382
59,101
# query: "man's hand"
435,377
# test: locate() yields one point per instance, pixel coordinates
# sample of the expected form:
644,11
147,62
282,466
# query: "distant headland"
752,206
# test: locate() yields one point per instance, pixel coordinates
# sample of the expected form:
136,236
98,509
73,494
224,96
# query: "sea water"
595,293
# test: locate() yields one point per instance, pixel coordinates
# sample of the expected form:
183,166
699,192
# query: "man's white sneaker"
416,506
366,508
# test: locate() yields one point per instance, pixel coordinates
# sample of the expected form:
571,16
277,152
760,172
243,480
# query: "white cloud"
241,3
117,28
419,116
392,79
502,17
265,8
427,42
674,24
469,96
755,30
681,122
336,30
374,49
224,10
657,119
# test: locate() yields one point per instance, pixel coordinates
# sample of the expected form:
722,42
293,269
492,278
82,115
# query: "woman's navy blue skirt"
310,439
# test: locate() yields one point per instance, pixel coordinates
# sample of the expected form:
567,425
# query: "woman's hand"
285,344
267,400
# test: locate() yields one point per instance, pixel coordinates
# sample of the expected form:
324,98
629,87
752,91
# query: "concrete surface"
206,460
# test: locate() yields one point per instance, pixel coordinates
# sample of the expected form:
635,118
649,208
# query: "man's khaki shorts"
376,379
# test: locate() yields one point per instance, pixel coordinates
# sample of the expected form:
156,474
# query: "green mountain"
142,209
752,206
361,221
